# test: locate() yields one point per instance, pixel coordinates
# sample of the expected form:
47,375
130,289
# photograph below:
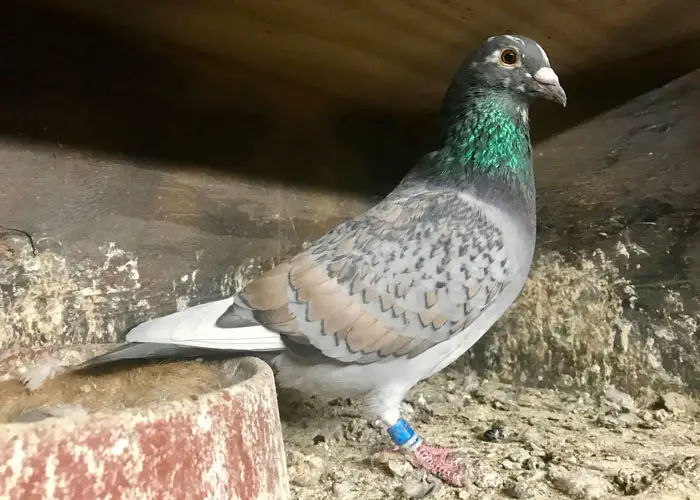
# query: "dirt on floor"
515,443
65,393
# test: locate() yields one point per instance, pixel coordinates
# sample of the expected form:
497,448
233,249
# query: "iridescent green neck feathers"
488,138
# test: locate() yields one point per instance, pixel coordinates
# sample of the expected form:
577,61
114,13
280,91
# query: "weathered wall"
613,295
117,240
149,176
619,198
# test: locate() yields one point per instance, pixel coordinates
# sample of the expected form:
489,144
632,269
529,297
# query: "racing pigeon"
393,296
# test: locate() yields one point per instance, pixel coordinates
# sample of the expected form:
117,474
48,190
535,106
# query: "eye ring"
509,57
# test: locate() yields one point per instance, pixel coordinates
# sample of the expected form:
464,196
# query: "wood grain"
397,53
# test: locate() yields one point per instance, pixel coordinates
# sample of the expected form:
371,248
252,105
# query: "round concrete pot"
225,444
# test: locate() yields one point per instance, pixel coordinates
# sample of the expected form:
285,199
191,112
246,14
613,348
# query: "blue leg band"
403,435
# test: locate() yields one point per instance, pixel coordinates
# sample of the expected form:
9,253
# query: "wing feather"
392,283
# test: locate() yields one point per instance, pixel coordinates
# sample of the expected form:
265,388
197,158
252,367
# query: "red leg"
438,461
438,450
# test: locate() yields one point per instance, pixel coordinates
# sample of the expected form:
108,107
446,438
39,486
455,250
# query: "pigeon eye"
509,57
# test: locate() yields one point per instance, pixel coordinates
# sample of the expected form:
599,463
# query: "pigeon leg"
435,459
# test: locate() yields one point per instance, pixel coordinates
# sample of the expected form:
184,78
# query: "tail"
191,333
147,351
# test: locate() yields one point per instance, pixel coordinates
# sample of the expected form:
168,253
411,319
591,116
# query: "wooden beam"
394,53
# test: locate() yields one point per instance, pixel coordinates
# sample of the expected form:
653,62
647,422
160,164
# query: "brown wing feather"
373,291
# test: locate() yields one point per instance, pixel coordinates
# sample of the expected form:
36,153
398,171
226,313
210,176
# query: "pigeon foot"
436,460
439,462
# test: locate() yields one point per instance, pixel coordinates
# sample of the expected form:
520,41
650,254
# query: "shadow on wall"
65,81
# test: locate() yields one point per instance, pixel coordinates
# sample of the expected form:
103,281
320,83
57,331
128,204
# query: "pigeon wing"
393,283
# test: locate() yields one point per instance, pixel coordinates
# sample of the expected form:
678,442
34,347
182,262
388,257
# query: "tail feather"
197,327
146,351
192,333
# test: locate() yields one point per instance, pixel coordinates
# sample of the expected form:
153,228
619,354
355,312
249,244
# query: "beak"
549,85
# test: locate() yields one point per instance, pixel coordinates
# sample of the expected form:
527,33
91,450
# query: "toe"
452,474
443,452
437,461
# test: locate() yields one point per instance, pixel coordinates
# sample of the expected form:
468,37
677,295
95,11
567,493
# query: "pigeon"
389,298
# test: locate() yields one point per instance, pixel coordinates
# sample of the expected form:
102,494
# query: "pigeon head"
510,64
485,140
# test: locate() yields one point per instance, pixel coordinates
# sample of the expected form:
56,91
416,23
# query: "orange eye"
509,57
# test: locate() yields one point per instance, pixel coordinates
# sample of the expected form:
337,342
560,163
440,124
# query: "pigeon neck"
488,140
